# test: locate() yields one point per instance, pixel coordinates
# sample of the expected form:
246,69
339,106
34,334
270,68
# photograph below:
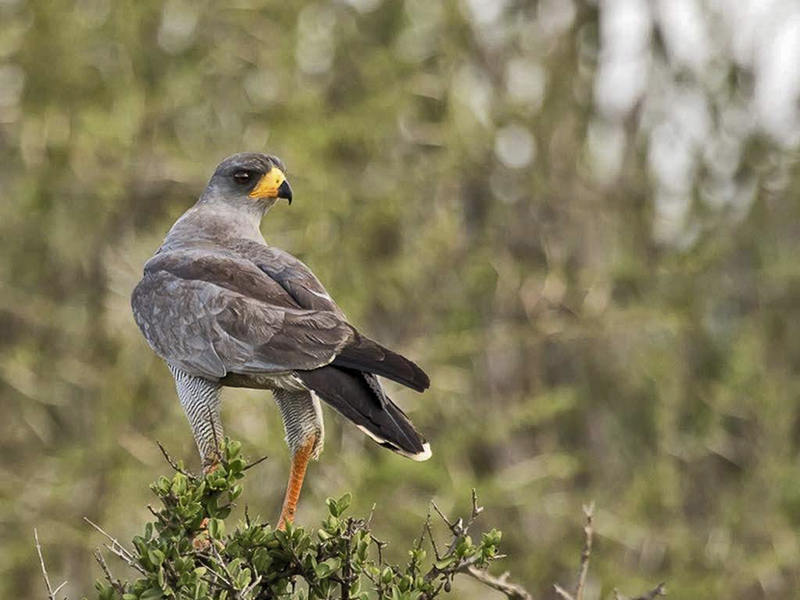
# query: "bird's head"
249,180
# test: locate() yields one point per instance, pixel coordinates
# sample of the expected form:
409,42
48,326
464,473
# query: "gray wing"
212,313
359,353
294,277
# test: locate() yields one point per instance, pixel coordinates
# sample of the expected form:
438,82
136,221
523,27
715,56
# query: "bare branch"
51,593
368,522
501,584
107,572
425,527
445,519
659,590
257,462
656,592
228,579
172,462
587,552
433,541
118,549
476,510
562,592
251,587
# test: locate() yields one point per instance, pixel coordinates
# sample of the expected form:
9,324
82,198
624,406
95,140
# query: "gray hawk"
223,308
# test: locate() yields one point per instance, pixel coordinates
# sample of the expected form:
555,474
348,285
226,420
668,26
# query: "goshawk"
223,308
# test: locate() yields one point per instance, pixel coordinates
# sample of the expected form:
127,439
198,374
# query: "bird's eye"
241,177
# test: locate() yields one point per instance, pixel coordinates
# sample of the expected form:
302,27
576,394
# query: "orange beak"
273,185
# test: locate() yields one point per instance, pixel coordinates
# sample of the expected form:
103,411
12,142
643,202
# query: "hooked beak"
285,191
273,185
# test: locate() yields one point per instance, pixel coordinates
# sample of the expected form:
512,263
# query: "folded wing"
210,313
360,352
207,327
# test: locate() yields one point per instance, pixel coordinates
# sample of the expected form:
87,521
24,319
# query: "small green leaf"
156,556
343,503
232,449
445,562
179,484
216,528
152,594
333,563
361,550
243,578
281,537
333,507
236,491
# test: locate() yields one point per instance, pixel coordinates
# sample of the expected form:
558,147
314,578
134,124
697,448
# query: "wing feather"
361,353
207,328
253,309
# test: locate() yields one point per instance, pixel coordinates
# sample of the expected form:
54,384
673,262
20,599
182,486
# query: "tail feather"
348,392
362,354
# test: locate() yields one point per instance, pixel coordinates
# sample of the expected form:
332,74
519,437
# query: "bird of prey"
223,308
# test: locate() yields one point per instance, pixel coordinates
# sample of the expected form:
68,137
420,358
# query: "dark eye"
242,177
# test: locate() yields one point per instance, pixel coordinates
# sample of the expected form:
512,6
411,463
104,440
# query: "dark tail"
362,354
349,393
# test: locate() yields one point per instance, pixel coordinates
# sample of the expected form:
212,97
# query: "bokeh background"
583,219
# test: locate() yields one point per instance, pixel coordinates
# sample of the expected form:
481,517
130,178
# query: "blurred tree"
590,210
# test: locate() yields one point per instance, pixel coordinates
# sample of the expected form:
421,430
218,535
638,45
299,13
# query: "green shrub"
190,552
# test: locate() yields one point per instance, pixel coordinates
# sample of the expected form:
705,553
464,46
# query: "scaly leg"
302,419
298,472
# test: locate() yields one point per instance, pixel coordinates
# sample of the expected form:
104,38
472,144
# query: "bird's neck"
218,224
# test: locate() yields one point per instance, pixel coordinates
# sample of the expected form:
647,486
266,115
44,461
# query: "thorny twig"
118,549
156,514
562,592
174,464
587,551
586,554
229,581
511,590
656,592
425,526
256,462
251,587
580,588
441,515
368,522
433,541
457,528
51,593
467,565
107,572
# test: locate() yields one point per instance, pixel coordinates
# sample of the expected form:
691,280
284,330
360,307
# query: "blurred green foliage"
606,296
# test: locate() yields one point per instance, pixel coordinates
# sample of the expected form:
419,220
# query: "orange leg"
296,476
